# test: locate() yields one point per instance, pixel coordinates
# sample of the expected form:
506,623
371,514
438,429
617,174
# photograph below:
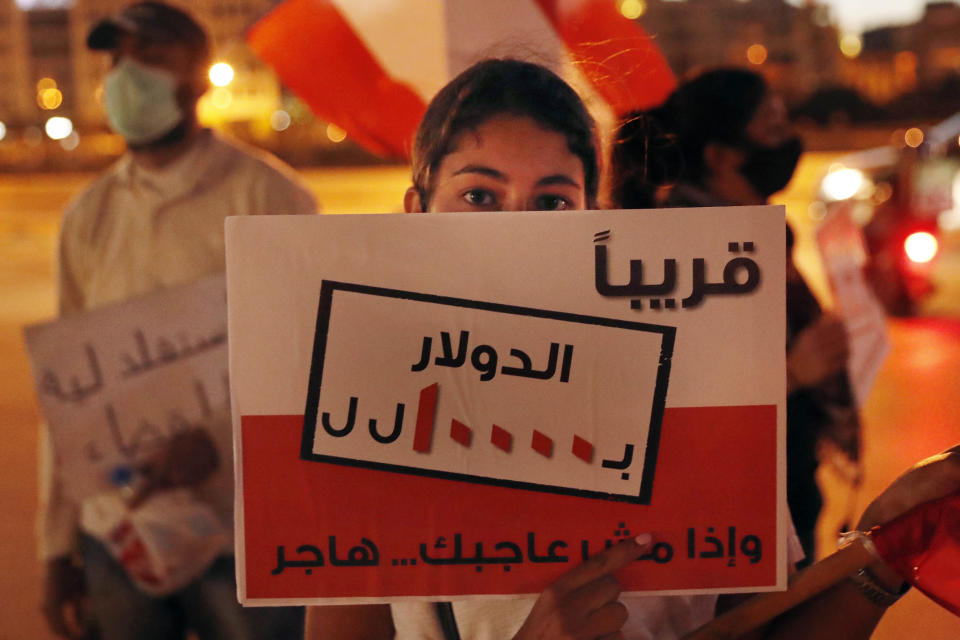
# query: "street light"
851,45
221,74
913,137
757,54
49,99
335,133
280,120
632,9
58,127
842,183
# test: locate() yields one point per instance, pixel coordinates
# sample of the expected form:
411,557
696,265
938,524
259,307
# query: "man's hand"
63,594
820,351
582,604
187,459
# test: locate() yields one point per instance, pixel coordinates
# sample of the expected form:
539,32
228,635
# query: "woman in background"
721,139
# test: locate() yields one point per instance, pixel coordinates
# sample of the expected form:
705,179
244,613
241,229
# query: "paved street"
912,412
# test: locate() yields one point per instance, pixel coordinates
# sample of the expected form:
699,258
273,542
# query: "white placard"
116,382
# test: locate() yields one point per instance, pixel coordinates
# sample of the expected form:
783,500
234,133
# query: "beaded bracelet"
867,583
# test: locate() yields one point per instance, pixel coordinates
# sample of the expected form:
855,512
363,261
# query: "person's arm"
843,612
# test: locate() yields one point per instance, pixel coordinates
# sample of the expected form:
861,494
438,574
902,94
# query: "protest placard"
841,244
467,405
116,382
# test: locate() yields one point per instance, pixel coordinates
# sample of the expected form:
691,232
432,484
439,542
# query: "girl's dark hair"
666,145
503,86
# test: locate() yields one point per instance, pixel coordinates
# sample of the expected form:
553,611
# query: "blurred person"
154,220
723,138
507,135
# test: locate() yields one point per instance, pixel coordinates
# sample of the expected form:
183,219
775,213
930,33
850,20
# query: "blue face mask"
141,101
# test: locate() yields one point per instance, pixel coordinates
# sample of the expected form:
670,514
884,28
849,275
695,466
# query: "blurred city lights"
279,120
3,131
905,60
632,9
851,45
58,127
49,99
921,246
71,142
221,74
842,183
756,54
821,16
335,133
882,193
913,137
221,98
46,83
817,211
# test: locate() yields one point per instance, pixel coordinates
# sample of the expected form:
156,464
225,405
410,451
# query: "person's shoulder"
256,162
89,202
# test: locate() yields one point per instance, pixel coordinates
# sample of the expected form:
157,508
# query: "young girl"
508,135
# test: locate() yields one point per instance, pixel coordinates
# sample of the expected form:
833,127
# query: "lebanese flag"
923,546
371,67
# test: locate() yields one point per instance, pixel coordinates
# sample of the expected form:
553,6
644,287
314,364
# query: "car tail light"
921,247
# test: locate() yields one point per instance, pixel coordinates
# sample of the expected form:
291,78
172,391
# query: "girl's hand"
582,604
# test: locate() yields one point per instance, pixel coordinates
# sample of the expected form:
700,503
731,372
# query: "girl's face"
508,163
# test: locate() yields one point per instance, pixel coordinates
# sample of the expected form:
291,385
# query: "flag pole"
803,585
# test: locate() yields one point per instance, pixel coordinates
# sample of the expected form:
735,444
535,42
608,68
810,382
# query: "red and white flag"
923,546
371,67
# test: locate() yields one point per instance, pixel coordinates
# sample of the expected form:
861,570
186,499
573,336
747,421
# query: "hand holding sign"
582,604
186,460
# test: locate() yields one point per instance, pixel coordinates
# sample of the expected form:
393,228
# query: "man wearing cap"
154,220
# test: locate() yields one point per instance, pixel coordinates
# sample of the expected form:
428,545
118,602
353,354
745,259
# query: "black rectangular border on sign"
329,287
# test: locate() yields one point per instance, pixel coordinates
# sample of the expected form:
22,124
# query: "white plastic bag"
165,543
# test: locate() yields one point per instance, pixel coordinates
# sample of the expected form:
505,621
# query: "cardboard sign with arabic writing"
467,405
116,382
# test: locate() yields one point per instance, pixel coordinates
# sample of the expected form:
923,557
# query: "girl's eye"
479,198
551,202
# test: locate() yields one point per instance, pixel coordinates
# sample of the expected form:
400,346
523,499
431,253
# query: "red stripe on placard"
317,54
716,468
426,412
622,62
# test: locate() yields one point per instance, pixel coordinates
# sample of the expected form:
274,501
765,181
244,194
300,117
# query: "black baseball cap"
151,21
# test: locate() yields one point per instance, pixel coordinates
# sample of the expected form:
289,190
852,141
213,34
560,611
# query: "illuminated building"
794,48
